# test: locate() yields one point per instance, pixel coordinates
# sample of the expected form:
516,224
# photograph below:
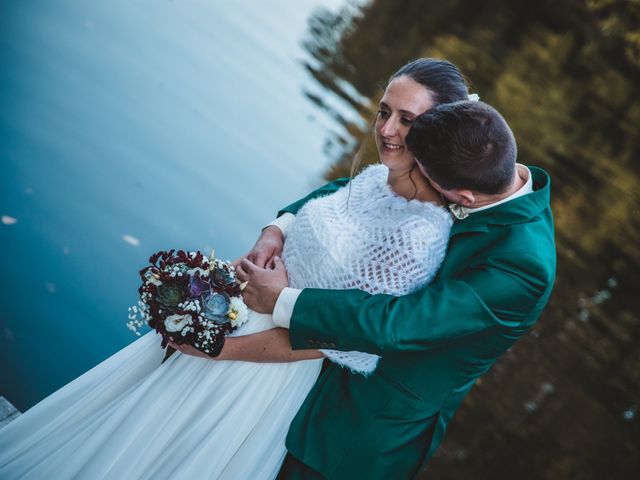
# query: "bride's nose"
390,128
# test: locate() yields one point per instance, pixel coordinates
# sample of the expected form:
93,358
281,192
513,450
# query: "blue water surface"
127,127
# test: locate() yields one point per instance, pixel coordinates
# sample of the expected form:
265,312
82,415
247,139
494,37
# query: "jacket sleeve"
506,293
320,192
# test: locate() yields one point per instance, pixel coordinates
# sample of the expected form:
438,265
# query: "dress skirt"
187,418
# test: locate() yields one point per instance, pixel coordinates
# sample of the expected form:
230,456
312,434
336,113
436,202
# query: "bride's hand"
189,350
268,245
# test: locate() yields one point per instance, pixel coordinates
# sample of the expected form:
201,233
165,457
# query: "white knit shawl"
365,236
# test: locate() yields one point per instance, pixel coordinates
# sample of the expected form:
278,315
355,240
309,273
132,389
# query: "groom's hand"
269,245
265,284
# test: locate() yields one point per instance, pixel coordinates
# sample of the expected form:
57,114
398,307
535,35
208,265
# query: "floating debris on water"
131,240
7,220
601,296
455,454
585,303
630,413
8,335
584,315
546,389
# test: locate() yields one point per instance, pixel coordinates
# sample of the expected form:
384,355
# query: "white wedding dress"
131,417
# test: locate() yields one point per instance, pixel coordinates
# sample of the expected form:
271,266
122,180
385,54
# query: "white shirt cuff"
283,311
283,222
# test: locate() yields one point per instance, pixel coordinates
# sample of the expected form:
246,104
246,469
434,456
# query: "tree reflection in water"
561,404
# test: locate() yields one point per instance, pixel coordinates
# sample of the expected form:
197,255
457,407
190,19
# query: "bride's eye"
383,114
406,121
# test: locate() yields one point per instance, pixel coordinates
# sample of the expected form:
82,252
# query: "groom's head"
466,149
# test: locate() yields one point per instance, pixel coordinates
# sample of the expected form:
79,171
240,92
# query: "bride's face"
403,100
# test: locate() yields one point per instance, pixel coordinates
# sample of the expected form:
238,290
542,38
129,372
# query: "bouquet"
189,298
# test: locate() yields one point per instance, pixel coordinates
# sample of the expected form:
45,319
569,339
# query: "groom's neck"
520,177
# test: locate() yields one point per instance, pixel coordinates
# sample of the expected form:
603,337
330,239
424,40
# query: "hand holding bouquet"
189,298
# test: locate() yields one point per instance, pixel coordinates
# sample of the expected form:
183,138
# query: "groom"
493,285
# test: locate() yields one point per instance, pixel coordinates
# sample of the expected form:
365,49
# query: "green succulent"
222,276
169,295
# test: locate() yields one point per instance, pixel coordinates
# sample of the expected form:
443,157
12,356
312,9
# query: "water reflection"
566,75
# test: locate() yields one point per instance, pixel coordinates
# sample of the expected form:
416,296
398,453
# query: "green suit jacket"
493,285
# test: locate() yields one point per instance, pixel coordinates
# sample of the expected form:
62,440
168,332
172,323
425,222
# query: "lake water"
128,127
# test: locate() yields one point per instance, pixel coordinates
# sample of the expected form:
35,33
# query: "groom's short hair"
465,145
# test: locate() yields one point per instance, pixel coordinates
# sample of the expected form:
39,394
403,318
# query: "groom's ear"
466,198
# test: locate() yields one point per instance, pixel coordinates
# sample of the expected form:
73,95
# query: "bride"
134,417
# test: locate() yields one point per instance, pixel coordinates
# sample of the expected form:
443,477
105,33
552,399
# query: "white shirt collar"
461,212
